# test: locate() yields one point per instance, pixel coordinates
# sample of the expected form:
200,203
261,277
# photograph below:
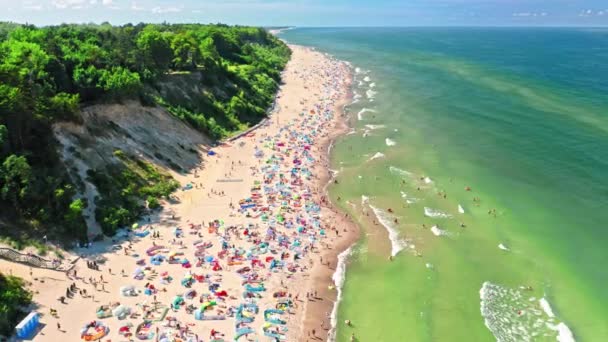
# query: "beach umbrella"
211,153
135,225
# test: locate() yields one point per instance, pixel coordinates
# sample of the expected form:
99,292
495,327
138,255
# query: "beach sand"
310,101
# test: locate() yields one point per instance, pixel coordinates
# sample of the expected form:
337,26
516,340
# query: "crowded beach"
244,251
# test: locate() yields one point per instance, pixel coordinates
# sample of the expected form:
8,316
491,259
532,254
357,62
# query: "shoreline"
322,275
302,70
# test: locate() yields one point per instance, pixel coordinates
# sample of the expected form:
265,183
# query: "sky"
313,12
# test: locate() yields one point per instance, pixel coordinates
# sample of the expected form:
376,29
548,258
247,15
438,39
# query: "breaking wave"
434,213
372,127
370,94
400,172
376,156
397,244
408,199
338,279
514,315
363,111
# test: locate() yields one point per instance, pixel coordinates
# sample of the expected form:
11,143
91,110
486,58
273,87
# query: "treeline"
48,73
13,299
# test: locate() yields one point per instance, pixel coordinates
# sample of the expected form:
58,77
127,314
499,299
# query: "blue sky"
314,12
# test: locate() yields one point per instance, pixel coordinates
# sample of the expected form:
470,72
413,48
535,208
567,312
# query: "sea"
478,163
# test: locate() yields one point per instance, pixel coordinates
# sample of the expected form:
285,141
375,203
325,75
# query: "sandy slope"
310,79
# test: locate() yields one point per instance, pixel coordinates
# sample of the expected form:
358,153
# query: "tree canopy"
13,297
47,74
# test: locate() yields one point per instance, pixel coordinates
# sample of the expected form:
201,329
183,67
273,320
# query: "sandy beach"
244,251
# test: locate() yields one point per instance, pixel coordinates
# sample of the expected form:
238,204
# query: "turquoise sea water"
518,115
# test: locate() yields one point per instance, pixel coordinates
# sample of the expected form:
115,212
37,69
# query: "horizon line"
315,26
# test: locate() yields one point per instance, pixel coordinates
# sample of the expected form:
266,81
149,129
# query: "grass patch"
124,189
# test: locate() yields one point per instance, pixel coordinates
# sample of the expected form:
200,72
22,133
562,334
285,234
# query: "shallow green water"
518,115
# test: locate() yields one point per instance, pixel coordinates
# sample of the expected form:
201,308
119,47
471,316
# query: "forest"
47,74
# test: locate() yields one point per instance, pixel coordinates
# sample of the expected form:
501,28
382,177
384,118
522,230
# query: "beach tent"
99,330
211,153
128,291
178,301
121,312
28,326
242,332
272,316
103,311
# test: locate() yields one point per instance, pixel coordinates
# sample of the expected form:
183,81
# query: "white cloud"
73,4
171,9
106,2
32,7
530,14
134,7
590,13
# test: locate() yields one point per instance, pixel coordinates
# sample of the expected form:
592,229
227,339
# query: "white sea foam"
363,111
358,70
390,142
460,209
338,278
546,307
564,333
352,131
372,127
367,79
400,172
372,85
376,156
370,94
364,200
397,244
356,95
366,133
512,315
434,213
408,199
438,231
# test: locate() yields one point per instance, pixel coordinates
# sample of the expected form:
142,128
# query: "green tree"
63,106
155,49
15,179
13,296
185,51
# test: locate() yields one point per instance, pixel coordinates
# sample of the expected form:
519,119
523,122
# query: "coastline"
318,314
185,210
